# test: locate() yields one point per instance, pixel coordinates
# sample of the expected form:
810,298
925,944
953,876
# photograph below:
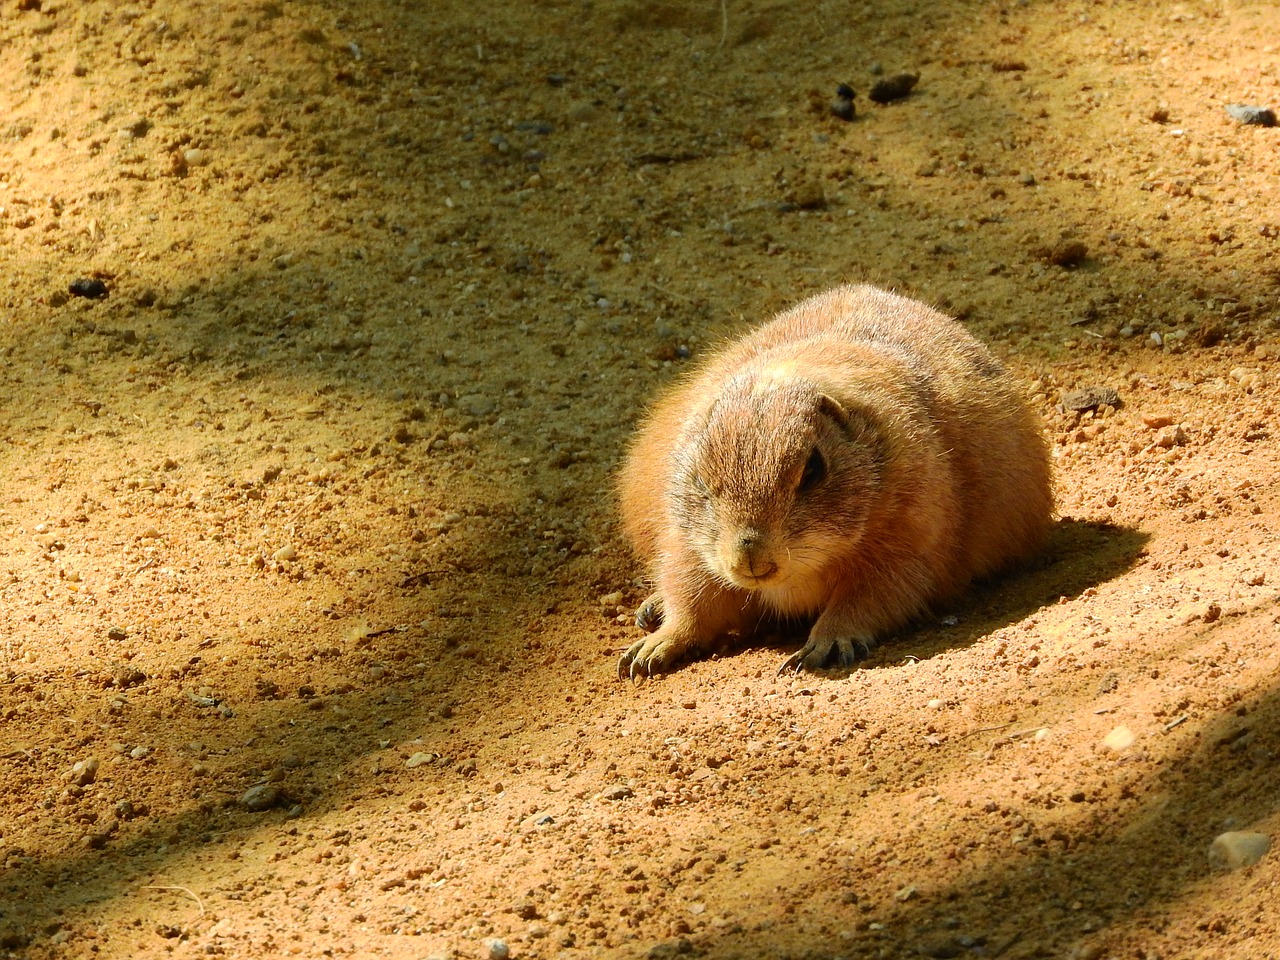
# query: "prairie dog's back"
995,443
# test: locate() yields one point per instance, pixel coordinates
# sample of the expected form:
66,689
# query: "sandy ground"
311,586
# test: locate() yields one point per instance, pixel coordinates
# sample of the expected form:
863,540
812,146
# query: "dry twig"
187,890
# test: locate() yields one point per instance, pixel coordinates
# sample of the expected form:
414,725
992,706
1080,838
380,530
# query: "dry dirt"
310,584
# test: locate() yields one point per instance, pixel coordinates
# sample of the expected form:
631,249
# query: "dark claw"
858,652
792,663
842,655
632,669
649,616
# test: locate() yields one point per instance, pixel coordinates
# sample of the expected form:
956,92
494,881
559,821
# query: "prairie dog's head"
774,484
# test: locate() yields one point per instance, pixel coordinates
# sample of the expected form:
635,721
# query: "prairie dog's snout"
848,463
749,556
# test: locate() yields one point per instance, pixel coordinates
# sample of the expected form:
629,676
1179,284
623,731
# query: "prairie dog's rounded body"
846,464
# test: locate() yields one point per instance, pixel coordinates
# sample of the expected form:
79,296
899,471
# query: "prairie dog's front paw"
818,653
649,616
655,653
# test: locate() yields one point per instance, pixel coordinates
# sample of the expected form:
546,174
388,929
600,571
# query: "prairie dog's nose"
751,558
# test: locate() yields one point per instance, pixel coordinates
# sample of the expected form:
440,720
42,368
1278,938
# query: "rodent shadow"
1080,554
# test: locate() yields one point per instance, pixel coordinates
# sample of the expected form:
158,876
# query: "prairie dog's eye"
815,469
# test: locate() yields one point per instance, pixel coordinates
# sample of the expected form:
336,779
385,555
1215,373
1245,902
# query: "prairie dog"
845,465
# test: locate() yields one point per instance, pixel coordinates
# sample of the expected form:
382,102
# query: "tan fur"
930,470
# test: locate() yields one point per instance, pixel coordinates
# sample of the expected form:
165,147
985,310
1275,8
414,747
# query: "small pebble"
618,792
809,195
127,810
525,910
1089,398
124,676
92,288
1236,849
1065,253
538,127
477,405
1248,379
264,796
419,759
496,949
1253,116
84,772
1119,739
893,88
287,552
1171,437
135,128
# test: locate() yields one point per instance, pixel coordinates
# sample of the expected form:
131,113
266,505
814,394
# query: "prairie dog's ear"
832,408
855,423
698,417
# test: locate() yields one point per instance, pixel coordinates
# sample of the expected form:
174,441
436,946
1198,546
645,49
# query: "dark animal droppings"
843,108
893,88
91,288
